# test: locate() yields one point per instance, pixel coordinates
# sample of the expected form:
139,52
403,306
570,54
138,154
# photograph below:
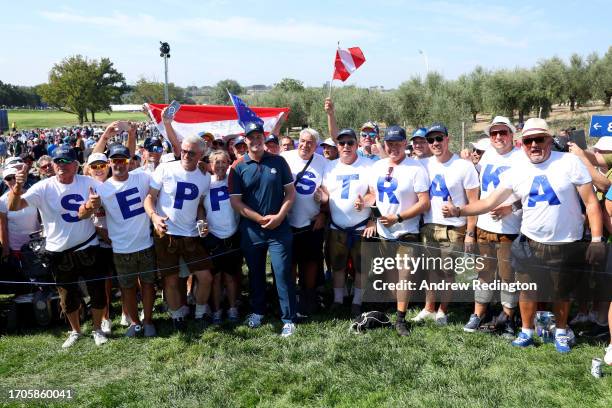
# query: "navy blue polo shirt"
262,183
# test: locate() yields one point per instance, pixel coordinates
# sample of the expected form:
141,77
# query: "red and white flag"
347,61
218,120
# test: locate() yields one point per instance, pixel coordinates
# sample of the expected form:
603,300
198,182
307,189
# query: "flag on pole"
218,120
245,114
347,61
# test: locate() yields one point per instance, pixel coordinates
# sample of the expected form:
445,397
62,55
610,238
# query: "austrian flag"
347,61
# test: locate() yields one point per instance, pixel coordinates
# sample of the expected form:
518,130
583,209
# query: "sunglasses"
155,149
494,133
530,140
46,166
347,143
9,178
63,161
480,152
371,135
189,153
100,166
438,139
120,161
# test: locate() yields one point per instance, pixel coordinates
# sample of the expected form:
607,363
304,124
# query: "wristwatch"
399,217
471,234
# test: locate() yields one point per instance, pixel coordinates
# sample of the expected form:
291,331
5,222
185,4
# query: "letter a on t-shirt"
540,183
438,188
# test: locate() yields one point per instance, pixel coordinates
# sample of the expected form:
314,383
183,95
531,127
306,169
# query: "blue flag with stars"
245,114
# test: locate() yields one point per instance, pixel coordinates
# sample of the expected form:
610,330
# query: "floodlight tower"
164,50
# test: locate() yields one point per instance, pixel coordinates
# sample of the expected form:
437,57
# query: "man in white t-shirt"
550,186
399,186
452,180
174,204
498,228
129,230
345,184
66,203
305,217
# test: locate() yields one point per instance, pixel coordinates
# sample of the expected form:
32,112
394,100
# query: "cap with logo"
153,143
250,127
437,128
118,150
64,152
272,139
395,134
239,140
370,125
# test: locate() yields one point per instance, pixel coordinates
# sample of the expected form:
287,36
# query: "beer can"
596,364
202,226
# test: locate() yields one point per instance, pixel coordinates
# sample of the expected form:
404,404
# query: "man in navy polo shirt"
262,192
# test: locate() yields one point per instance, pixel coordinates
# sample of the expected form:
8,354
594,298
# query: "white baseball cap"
481,144
604,143
96,157
329,142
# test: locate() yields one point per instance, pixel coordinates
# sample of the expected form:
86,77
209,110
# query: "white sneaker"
288,330
73,337
441,318
125,320
580,318
424,315
106,326
608,356
99,337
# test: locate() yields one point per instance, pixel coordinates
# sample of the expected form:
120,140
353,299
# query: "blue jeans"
255,243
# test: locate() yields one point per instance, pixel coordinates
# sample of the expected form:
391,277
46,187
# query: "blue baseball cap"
118,150
420,132
153,144
272,138
250,127
347,132
395,134
239,140
64,152
437,128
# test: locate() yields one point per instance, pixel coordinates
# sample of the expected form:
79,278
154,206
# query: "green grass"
321,365
29,119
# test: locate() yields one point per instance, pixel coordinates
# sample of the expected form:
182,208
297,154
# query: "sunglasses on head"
120,160
98,166
347,143
433,139
371,135
494,133
530,140
63,161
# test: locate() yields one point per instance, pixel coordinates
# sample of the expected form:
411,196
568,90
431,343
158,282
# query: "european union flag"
245,114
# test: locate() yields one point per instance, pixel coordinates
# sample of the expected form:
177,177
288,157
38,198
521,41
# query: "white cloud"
232,28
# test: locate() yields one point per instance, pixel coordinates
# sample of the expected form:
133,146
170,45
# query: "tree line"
83,87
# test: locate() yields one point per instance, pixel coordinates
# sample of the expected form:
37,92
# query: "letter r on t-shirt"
184,191
125,203
388,189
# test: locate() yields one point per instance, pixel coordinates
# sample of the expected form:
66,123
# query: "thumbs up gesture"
359,203
93,199
449,209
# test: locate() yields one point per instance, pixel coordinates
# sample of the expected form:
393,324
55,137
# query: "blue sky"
260,42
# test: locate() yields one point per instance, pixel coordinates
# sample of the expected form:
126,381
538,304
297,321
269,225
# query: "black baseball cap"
347,132
118,150
250,127
64,152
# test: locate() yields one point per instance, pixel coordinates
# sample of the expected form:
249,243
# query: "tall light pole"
426,62
164,50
